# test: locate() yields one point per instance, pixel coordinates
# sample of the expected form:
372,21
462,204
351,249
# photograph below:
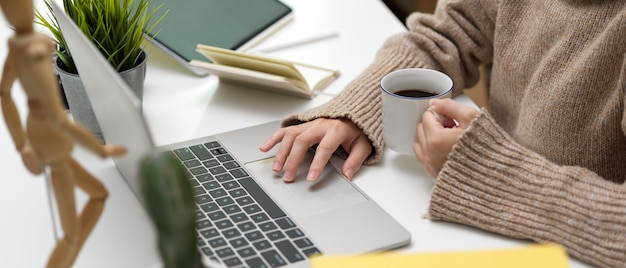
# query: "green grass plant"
117,27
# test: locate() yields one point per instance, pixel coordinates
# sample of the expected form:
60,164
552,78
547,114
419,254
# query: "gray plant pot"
78,102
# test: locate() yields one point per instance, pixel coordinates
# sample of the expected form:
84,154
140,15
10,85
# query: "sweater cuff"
493,183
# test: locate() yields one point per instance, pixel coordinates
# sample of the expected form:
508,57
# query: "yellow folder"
535,256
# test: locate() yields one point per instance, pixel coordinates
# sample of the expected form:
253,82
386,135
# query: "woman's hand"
328,135
435,139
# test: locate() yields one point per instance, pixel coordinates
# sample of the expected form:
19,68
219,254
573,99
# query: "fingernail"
276,166
312,175
348,173
287,176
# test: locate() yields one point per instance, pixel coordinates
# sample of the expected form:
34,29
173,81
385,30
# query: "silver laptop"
247,216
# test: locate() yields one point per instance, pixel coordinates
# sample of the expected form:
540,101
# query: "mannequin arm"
81,135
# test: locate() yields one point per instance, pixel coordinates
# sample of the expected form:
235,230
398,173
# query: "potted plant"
118,29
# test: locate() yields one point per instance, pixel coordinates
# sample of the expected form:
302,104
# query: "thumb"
463,114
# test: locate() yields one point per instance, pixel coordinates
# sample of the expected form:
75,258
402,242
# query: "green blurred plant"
167,192
117,27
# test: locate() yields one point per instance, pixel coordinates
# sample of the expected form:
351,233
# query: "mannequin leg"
66,249
97,197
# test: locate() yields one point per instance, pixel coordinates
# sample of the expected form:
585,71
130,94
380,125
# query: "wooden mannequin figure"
49,136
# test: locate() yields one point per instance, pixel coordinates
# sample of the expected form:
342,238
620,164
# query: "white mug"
402,109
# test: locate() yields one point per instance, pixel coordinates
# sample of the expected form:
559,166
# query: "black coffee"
415,93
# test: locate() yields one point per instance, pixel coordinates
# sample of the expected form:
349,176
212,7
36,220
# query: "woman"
547,162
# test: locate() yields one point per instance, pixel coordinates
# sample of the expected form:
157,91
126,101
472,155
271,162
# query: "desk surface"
180,106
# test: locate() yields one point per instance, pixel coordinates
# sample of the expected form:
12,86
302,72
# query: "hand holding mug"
436,139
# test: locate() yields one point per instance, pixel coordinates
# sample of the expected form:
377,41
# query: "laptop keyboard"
238,224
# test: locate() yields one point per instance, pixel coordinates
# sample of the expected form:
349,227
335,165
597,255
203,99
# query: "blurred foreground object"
169,198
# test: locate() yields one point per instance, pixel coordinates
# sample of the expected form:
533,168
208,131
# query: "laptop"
246,215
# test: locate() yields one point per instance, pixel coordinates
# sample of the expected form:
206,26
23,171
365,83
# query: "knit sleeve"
454,44
493,183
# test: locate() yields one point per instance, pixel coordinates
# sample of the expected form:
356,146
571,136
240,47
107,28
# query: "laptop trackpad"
303,198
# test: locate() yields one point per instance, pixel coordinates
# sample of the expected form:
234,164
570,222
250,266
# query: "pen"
303,41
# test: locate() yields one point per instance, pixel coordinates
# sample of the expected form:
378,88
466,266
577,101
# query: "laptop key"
252,209
303,243
289,251
201,152
244,201
203,224
246,226
192,163
311,251
239,217
267,226
275,235
238,193
218,151
285,223
256,262
198,170
223,177
261,245
211,185
210,233
224,252
217,170
230,233
224,158
238,173
273,258
197,191
217,193
246,252
201,199
224,201
217,242
212,144
223,224
198,215
184,154
232,262
229,185
232,209
216,215
211,163
204,177
253,236
294,233
208,207
231,165
238,242
261,217
207,251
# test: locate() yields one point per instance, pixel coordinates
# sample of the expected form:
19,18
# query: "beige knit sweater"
548,161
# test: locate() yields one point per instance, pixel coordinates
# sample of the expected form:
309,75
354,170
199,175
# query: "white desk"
181,106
